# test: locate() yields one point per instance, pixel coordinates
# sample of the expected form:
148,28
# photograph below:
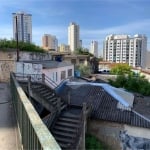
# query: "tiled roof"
104,106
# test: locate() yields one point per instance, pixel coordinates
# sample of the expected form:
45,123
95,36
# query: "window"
69,72
63,75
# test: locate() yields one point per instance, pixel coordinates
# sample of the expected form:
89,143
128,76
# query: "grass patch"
92,143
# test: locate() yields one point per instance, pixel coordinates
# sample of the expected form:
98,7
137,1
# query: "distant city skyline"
96,18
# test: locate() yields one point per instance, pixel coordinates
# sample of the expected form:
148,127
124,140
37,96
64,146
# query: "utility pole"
17,39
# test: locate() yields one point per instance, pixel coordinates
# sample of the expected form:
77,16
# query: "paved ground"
8,132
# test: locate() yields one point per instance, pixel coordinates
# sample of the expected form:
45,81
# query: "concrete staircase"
44,95
66,129
64,121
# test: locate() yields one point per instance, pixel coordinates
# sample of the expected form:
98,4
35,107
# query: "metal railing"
34,135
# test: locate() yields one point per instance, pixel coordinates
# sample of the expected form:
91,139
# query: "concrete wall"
55,73
8,61
120,136
6,66
106,132
11,55
135,138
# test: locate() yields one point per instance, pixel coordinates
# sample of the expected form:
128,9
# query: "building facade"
23,28
94,48
64,48
73,36
126,49
49,42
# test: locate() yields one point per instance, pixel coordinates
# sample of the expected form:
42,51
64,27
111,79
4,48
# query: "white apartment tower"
126,49
49,42
73,36
24,26
94,48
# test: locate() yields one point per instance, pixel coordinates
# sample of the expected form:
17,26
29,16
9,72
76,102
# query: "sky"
96,18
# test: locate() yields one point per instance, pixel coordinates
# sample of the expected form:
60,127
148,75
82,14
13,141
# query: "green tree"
132,83
84,70
121,69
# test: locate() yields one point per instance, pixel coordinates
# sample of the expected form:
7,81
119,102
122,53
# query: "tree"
84,70
132,83
82,51
121,69
5,44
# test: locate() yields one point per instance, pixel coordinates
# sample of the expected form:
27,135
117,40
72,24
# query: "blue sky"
97,18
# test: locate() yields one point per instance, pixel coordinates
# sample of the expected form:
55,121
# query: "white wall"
137,131
51,73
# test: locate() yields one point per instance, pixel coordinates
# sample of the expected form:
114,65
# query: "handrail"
52,82
34,134
34,77
79,130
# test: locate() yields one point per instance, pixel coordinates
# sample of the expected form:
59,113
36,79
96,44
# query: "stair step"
64,145
50,96
54,99
59,133
36,86
70,115
66,124
57,127
63,106
46,94
69,120
62,139
44,91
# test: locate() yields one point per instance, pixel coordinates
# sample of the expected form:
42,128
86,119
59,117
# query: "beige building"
73,36
94,48
64,48
49,42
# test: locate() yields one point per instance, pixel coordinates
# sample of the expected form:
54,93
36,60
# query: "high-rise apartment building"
49,42
126,49
94,48
24,26
73,36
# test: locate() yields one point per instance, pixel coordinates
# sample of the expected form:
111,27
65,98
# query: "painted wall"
120,136
55,73
8,62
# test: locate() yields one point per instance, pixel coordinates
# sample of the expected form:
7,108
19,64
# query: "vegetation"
120,69
92,143
129,80
133,83
84,70
81,51
6,44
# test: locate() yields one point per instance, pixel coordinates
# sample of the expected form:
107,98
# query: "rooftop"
105,106
50,64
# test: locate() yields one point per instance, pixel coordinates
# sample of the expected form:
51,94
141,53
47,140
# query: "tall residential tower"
126,49
24,26
73,36
94,48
